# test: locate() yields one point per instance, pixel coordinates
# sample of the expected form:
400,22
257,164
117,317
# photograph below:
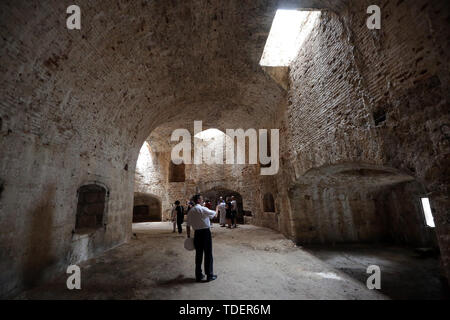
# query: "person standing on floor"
173,216
189,205
228,215
179,216
220,209
233,211
199,218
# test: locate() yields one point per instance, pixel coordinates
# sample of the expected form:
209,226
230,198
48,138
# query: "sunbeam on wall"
145,158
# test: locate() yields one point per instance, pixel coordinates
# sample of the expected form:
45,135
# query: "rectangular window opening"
427,212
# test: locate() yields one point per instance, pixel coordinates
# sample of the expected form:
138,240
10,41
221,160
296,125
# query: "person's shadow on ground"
180,279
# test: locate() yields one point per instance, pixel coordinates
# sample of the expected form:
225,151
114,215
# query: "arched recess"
268,203
358,202
213,195
92,204
146,208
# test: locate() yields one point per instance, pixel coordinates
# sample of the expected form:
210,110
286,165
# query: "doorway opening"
215,193
146,208
355,215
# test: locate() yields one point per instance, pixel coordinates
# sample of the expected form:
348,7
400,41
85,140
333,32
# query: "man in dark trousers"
180,215
233,211
199,218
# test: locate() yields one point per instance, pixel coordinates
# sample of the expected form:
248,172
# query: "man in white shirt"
199,218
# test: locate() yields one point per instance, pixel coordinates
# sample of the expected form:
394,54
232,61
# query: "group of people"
225,209
199,215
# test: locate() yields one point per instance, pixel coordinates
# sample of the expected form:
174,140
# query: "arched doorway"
357,202
146,208
366,212
214,194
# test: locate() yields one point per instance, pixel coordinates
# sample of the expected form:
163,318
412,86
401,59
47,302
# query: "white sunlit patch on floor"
328,275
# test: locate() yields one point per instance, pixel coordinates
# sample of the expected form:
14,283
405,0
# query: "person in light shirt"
199,219
221,210
173,216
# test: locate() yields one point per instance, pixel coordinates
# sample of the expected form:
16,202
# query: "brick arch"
213,194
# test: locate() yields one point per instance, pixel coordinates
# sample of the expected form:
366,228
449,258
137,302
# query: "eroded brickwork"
378,98
77,106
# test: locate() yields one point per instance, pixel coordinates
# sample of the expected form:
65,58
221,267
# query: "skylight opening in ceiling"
290,29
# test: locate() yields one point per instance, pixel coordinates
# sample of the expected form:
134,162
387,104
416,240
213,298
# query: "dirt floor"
251,263
406,273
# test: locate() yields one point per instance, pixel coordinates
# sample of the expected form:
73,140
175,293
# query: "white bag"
189,244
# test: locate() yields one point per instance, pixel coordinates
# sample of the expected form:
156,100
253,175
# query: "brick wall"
345,77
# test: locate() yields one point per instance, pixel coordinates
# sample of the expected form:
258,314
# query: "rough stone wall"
152,177
36,237
330,215
77,106
345,74
408,77
342,213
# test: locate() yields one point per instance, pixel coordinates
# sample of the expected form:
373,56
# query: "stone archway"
357,202
213,195
146,208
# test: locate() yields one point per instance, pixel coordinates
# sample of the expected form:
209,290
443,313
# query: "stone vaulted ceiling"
136,65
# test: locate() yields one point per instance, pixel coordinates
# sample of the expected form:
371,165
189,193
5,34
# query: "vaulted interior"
87,115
